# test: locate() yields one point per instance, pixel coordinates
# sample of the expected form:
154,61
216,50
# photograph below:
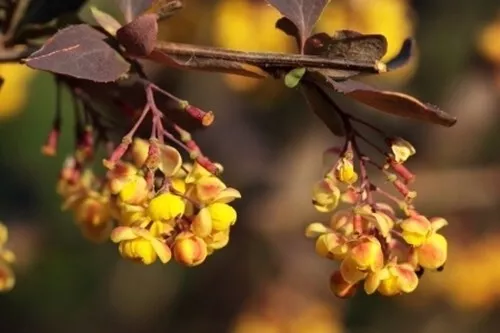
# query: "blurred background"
268,279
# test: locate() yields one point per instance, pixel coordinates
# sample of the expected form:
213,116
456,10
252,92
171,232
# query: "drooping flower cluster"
152,205
7,258
376,249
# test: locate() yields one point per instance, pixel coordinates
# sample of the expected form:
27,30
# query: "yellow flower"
392,280
223,216
134,191
326,195
7,278
331,245
367,253
169,159
13,94
431,248
189,249
93,216
402,150
217,240
140,245
344,171
166,206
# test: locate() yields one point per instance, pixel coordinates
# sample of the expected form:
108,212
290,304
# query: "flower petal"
434,252
120,234
340,287
202,223
350,271
438,223
170,160
162,250
316,229
209,188
227,195
407,278
7,278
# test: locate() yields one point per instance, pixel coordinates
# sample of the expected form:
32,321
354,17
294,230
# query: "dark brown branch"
266,59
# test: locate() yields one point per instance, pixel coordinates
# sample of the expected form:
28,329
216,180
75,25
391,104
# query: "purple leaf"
347,44
133,8
303,13
395,103
80,51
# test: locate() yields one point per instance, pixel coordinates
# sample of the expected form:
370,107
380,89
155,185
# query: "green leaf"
292,79
106,21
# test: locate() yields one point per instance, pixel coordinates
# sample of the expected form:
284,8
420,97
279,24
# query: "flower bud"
344,171
189,250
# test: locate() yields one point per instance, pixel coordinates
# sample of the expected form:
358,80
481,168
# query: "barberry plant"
161,198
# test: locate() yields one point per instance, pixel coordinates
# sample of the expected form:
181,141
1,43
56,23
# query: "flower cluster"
152,205
7,257
375,248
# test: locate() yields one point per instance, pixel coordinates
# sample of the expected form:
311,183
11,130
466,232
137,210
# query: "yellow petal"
162,250
434,252
223,216
120,234
316,229
350,271
227,195
202,223
209,188
134,190
4,234
326,196
367,254
329,245
7,278
438,223
407,278
402,150
139,151
166,206
170,160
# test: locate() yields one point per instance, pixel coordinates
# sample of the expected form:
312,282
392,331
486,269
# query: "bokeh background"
268,279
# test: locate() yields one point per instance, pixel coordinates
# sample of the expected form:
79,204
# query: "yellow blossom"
189,249
223,216
392,280
367,253
166,206
140,245
134,191
402,150
331,245
93,215
431,248
344,171
326,195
